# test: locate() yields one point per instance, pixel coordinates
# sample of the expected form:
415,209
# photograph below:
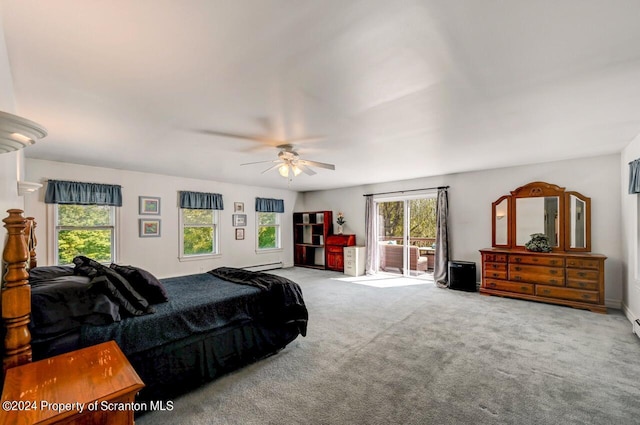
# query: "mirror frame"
543,189
587,221
494,205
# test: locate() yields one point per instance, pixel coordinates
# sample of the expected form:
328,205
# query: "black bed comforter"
287,304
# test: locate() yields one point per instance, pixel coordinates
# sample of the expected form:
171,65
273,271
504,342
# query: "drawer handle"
553,262
517,278
524,288
553,271
582,284
495,266
582,274
518,259
491,285
586,297
496,274
516,268
535,260
546,291
553,281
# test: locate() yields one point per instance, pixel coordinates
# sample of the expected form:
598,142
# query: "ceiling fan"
289,163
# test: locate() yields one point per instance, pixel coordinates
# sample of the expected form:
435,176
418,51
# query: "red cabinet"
335,252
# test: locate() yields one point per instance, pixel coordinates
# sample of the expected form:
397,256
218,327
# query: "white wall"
160,255
8,161
630,234
471,195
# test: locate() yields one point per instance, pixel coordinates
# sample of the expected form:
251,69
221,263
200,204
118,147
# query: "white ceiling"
397,89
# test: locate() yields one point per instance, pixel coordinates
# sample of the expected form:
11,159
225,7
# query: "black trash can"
462,275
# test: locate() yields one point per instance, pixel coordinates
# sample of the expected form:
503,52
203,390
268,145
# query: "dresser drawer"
583,284
497,258
335,249
496,274
583,263
536,274
496,266
540,261
577,274
503,285
567,294
349,253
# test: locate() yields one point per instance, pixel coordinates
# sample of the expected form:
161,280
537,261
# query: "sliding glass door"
406,235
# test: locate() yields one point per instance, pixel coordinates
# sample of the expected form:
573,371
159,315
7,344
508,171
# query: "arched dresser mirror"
564,273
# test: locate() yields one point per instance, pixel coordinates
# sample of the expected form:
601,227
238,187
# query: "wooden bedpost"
32,242
16,293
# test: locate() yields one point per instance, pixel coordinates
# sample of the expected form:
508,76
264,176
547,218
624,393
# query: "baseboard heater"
636,327
264,267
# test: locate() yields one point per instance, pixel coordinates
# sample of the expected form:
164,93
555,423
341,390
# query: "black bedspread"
197,304
286,303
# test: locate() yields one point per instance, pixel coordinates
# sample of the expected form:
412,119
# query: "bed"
192,329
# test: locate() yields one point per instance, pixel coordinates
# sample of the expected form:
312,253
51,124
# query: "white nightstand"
354,258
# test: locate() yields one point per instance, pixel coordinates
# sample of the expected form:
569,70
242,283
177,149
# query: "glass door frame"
406,237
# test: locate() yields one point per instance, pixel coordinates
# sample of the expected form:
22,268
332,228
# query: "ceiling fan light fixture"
296,170
284,170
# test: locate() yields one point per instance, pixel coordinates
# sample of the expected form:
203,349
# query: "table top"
64,385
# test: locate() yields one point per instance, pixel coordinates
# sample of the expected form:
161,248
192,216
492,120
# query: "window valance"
269,205
634,176
69,192
201,200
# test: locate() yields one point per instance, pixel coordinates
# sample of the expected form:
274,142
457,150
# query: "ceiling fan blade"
305,169
240,136
317,164
260,162
273,167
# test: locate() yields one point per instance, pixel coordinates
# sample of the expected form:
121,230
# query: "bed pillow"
143,282
113,285
43,274
65,303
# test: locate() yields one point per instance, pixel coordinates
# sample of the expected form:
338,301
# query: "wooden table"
94,385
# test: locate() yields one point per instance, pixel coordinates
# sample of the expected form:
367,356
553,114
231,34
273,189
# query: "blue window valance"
269,205
69,192
634,176
201,200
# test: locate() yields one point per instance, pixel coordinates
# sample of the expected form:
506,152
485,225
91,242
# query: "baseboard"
617,304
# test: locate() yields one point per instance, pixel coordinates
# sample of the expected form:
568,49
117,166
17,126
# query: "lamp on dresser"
569,274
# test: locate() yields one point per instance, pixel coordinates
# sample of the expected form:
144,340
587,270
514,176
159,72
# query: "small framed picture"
238,207
239,220
239,234
149,228
148,205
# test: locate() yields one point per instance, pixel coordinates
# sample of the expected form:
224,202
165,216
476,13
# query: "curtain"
371,264
634,176
269,205
201,200
69,192
440,271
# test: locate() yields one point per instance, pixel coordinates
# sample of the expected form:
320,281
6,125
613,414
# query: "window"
268,230
199,235
88,230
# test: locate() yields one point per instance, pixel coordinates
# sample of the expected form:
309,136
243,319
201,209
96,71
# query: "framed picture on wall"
239,220
240,234
238,207
149,228
148,205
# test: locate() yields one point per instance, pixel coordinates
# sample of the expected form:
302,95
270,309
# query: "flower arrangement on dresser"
541,249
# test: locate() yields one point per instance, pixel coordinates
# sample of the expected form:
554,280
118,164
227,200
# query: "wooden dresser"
571,279
95,385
